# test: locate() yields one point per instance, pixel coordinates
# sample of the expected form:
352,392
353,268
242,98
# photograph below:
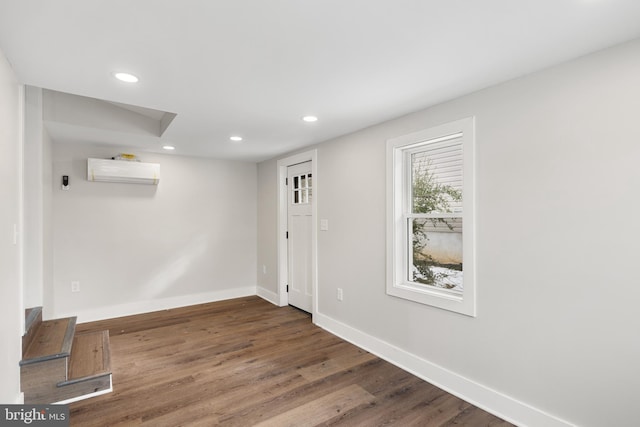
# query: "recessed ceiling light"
236,138
168,147
126,77
310,119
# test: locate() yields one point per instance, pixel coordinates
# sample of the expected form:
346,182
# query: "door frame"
283,275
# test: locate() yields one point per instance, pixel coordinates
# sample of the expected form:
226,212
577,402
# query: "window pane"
436,178
296,196
303,181
309,180
436,246
295,182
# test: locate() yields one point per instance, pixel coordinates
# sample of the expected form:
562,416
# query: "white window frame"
398,213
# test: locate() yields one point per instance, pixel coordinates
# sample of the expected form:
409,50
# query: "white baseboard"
266,294
139,307
490,400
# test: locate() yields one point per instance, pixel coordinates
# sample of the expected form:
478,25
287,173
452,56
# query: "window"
302,190
430,197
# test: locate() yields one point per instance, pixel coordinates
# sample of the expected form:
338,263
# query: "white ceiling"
255,67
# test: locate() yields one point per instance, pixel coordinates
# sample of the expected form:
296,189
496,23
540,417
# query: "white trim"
267,295
283,164
21,201
139,307
499,404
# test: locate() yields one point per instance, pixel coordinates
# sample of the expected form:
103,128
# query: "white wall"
10,287
33,198
267,232
138,248
556,336
47,227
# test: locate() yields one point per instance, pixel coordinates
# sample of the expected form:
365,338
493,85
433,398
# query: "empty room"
300,213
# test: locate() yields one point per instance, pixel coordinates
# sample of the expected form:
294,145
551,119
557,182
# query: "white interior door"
299,224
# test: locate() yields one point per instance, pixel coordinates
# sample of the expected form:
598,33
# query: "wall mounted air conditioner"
123,171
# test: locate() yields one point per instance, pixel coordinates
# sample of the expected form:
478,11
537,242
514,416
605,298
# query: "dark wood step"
89,368
86,372
52,340
90,356
33,318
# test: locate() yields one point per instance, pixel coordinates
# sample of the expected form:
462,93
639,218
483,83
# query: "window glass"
302,189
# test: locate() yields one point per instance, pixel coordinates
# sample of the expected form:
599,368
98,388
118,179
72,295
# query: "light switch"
324,225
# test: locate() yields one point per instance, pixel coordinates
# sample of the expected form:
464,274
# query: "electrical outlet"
264,269
75,286
339,294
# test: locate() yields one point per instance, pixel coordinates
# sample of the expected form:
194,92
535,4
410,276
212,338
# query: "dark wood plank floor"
245,362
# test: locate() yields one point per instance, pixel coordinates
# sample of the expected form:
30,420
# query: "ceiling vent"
125,171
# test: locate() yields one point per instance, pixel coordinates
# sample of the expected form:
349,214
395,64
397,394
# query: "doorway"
297,231
299,185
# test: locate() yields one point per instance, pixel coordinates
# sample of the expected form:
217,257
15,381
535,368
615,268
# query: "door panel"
299,226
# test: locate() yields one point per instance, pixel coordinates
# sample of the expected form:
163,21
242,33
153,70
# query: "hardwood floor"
245,362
